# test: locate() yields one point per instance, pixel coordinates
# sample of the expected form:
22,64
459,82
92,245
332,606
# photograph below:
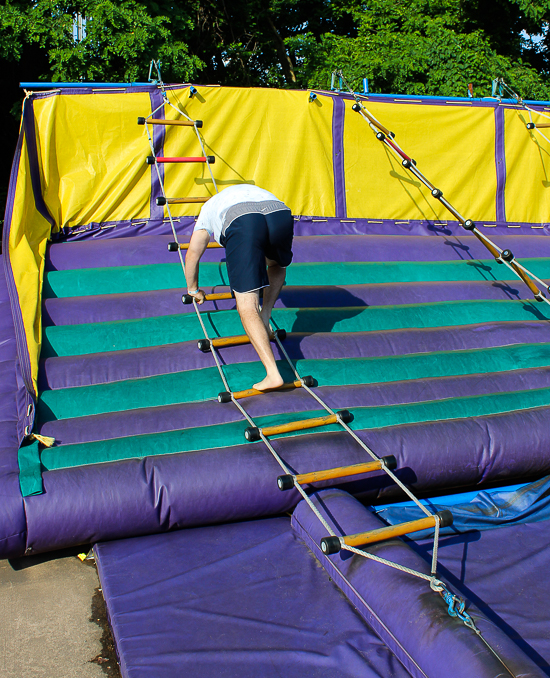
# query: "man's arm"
197,246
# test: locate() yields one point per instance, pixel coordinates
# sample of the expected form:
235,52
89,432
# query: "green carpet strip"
231,434
124,279
122,335
205,384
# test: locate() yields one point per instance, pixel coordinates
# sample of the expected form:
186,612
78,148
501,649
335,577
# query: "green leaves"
121,38
421,47
402,46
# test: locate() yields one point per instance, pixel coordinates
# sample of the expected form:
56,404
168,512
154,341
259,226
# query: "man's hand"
199,297
197,246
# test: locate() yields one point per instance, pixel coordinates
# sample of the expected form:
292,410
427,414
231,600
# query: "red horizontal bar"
181,159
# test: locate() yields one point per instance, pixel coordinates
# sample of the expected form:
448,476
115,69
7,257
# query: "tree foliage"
404,46
121,38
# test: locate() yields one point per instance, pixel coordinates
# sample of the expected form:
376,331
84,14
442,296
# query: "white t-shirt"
213,213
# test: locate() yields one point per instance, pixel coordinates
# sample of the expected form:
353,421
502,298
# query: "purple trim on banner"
308,225
158,144
420,100
26,395
145,250
338,157
500,163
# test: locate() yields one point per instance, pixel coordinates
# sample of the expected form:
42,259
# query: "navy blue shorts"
251,238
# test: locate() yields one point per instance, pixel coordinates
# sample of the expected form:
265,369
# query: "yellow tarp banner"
527,168
92,154
275,139
453,145
28,237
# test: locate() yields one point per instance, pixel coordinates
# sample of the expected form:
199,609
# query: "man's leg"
248,306
276,275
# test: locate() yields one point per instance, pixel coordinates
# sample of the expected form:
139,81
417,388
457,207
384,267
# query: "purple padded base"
502,572
245,600
12,516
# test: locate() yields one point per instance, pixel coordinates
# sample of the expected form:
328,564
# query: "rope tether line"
505,257
341,418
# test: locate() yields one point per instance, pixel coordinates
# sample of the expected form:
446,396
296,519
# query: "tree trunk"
286,63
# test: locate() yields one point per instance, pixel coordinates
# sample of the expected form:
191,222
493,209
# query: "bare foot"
269,383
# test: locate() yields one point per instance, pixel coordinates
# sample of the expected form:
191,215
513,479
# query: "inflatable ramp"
414,347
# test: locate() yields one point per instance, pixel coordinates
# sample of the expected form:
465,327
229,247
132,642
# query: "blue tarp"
525,503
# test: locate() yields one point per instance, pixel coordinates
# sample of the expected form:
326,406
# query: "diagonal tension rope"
501,256
305,382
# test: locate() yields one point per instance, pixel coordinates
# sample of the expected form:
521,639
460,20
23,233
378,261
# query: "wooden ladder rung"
287,482
205,345
151,159
215,296
179,201
254,433
227,396
331,545
174,246
160,121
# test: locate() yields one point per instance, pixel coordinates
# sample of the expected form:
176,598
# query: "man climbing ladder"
256,230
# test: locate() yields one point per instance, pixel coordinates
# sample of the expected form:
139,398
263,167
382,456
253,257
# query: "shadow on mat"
323,320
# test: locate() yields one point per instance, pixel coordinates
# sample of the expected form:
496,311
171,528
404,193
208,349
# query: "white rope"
436,544
389,563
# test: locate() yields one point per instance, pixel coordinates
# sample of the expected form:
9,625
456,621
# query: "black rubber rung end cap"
252,434
198,123
141,121
173,247
204,345
413,161
309,381
390,461
330,545
445,518
346,416
392,135
530,125
356,108
186,299
406,163
437,193
224,397
540,297
507,255
469,225
281,334
380,136
285,482
211,159
161,202
150,160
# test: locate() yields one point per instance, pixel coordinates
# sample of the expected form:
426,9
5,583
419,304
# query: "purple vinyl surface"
499,571
208,413
143,496
83,370
402,609
110,307
244,599
136,251
12,516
